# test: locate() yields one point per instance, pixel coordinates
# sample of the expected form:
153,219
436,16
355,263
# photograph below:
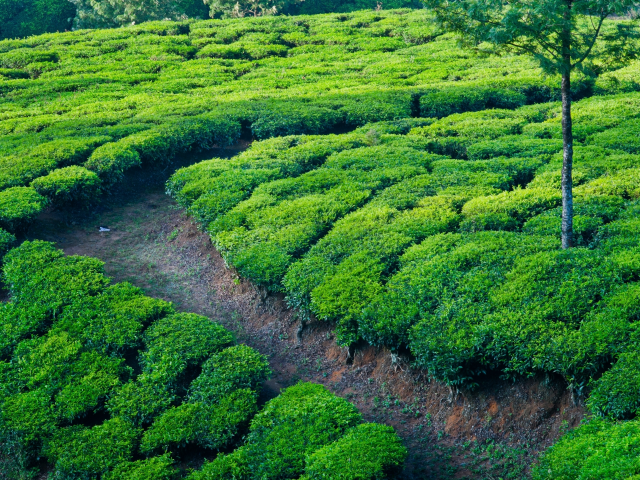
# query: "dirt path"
493,432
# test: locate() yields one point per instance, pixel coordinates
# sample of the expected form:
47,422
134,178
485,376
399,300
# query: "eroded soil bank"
493,432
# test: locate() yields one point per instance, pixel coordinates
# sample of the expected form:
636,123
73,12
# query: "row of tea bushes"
104,382
20,206
597,450
81,186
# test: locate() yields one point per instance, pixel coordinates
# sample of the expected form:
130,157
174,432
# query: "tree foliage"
114,13
248,8
21,18
540,28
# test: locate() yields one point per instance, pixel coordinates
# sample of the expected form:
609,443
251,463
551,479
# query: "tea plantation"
105,101
442,236
401,188
104,382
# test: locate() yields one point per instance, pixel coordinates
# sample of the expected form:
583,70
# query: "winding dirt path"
493,432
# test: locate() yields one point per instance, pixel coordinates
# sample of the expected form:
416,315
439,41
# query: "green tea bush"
111,160
456,100
38,275
232,369
598,449
69,185
79,451
112,321
624,137
7,241
514,146
141,400
42,283
615,394
516,206
179,341
154,468
605,334
295,119
298,422
624,183
45,157
446,270
210,426
19,207
233,465
28,417
18,322
369,452
21,57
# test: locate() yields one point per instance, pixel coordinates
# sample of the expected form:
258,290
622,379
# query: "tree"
244,8
560,34
21,18
115,13
312,7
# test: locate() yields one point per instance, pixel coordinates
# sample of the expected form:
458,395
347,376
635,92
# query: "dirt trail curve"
493,432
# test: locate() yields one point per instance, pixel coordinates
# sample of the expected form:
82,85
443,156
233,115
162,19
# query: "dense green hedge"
69,185
19,207
368,451
597,450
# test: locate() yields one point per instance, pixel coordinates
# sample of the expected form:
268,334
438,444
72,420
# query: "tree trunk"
567,133
567,164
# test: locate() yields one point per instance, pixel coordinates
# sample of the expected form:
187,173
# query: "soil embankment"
492,432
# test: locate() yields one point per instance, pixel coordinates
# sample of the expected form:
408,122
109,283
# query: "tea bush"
155,468
7,241
19,207
368,451
210,426
232,369
111,160
599,449
69,185
615,394
298,422
80,451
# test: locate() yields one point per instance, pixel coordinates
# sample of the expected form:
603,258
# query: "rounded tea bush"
69,185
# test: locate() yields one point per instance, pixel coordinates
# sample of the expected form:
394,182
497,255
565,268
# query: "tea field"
398,187
105,101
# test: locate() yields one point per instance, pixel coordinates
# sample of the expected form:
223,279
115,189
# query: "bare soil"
493,432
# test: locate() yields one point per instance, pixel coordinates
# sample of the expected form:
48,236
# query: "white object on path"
104,229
